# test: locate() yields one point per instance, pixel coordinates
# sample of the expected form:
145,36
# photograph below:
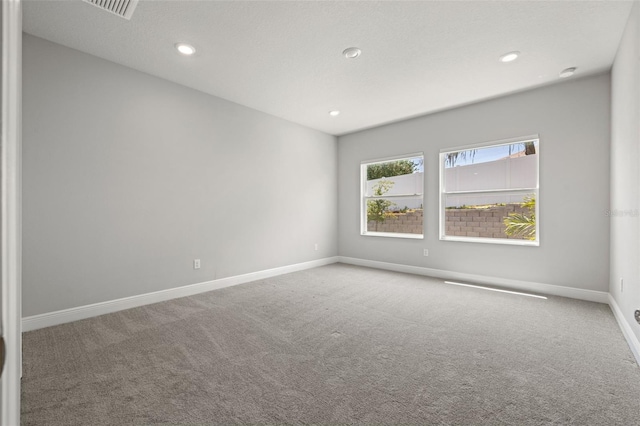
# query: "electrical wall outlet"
637,315
621,285
425,252
196,263
316,246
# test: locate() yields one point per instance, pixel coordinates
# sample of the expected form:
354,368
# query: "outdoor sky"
484,155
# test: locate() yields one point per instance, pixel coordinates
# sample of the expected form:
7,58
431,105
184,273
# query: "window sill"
393,235
503,241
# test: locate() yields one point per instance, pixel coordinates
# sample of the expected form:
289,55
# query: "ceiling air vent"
122,8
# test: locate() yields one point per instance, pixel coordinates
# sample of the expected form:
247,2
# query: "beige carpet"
336,344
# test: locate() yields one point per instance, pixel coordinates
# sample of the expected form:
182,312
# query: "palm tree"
452,157
522,225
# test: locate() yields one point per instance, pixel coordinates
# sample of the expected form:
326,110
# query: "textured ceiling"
284,58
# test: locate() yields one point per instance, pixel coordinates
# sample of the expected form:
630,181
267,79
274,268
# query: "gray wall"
128,178
573,121
625,179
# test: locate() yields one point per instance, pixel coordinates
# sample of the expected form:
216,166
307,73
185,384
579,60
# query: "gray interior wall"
573,121
625,179
128,178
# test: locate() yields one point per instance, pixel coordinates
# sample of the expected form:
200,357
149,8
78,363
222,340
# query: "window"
489,192
392,197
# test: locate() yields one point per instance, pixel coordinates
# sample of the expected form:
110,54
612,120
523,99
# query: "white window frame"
534,190
364,198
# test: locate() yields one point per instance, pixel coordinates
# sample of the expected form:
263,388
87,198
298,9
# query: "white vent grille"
122,8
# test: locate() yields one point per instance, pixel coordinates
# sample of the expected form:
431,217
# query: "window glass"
392,197
490,193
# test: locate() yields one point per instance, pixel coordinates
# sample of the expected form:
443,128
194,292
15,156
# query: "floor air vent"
122,8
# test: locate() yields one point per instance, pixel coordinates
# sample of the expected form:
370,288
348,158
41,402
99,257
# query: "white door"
10,217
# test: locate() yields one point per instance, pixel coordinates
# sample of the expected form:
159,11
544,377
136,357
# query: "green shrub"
378,210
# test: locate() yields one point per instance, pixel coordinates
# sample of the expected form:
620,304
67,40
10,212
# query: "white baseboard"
533,287
632,340
81,312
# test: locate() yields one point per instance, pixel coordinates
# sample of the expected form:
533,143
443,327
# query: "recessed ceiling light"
185,49
509,57
351,52
334,113
567,72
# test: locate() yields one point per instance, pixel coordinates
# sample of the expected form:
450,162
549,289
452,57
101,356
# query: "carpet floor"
336,344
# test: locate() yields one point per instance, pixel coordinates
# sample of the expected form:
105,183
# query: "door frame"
11,256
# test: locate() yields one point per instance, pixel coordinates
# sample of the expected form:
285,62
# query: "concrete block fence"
484,223
481,222
405,223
